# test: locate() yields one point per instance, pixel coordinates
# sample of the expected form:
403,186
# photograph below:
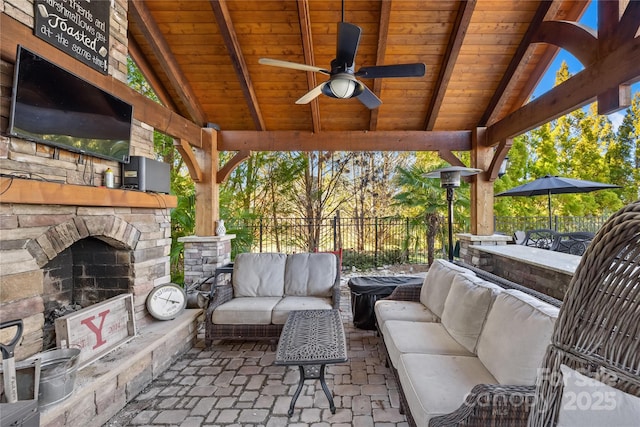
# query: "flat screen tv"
55,107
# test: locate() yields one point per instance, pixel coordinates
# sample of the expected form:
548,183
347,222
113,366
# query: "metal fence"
365,242
562,224
373,242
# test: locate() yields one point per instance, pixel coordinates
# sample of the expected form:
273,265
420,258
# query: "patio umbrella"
555,185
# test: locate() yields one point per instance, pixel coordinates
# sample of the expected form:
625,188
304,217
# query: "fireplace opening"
86,273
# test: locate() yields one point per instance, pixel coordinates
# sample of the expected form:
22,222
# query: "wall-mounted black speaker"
144,174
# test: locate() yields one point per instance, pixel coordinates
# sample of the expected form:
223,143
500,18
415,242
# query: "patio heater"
450,179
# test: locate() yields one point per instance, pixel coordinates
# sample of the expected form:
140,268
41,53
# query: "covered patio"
483,60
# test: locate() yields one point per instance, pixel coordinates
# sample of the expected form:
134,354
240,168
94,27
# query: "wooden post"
207,190
481,186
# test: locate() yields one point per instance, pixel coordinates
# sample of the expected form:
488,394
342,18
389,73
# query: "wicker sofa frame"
221,293
486,404
598,328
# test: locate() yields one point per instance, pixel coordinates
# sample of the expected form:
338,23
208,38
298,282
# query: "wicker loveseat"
463,344
264,288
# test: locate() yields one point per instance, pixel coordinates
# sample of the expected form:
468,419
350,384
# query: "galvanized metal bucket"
57,374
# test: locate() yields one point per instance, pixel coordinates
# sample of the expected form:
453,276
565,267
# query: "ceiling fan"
342,81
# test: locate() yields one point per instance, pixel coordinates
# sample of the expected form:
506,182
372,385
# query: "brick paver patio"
237,384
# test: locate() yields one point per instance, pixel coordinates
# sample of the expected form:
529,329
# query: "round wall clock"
165,302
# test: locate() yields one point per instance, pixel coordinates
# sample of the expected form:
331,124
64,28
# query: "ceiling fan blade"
399,70
292,65
348,41
312,94
369,99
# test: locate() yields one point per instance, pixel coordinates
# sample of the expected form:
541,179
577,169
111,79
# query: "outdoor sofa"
264,288
465,346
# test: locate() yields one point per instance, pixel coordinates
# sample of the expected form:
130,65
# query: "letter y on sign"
97,330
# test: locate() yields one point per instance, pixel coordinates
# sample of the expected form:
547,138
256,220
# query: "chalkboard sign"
78,27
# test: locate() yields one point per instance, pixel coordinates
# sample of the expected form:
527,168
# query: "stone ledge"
104,387
206,239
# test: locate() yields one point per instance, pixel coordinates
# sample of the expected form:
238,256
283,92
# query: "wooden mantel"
32,192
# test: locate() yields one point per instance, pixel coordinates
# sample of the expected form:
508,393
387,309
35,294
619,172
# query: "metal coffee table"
312,339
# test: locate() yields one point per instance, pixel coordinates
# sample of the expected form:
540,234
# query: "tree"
424,200
317,190
623,154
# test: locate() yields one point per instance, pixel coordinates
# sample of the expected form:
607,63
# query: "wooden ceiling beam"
307,48
629,23
463,18
344,141
144,109
233,163
500,154
383,33
449,157
614,24
498,94
547,55
577,39
228,32
195,171
150,75
621,66
139,13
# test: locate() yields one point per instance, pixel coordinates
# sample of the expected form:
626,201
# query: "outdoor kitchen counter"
546,271
557,261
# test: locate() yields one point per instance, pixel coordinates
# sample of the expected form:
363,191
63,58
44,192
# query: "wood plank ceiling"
202,58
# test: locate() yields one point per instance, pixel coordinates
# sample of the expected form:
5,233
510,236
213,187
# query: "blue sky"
590,18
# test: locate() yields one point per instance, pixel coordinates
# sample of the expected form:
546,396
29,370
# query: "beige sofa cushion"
258,275
310,274
386,310
587,402
436,384
402,337
437,283
466,308
245,311
290,303
515,337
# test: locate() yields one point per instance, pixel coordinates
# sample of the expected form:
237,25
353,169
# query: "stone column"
474,257
202,255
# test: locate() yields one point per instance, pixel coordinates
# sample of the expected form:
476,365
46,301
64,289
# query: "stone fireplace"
67,241
86,273
58,258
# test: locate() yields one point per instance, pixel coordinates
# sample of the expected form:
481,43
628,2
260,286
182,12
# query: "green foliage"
581,145
366,260
623,154
422,199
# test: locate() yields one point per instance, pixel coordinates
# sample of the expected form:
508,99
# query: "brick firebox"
32,237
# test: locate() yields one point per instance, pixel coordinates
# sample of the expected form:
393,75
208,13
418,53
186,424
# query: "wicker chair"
598,329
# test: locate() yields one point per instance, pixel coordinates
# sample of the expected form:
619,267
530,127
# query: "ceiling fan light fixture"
342,87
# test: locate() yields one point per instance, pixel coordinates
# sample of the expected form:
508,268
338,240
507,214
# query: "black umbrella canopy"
555,185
